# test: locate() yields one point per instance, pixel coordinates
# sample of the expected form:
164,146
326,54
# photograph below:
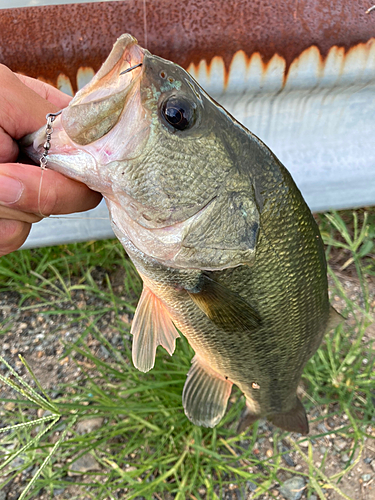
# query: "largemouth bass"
228,250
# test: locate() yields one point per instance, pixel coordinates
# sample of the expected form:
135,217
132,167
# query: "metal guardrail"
11,4
300,75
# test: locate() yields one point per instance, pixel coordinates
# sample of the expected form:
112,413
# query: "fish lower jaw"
162,245
78,166
165,245
144,245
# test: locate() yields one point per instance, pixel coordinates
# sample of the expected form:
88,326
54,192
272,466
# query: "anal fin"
294,420
205,395
152,326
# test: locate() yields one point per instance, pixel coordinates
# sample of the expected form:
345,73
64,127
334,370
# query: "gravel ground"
40,339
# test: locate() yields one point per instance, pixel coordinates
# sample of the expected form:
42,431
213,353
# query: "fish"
228,251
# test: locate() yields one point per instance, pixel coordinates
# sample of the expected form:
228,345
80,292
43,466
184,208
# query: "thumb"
23,188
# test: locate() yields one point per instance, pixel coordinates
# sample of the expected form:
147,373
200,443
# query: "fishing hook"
130,69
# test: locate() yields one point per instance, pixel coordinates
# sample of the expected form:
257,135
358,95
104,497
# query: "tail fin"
294,420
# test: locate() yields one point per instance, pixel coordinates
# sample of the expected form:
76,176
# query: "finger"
46,91
13,234
8,148
20,186
23,110
13,214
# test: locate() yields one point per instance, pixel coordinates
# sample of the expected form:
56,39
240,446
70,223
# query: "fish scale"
246,281
228,250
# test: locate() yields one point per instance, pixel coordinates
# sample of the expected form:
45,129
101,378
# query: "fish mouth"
94,111
116,73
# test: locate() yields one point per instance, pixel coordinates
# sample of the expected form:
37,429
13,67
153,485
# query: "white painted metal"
86,226
320,123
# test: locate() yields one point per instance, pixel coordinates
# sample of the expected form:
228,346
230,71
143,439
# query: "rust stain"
356,65
309,70
63,38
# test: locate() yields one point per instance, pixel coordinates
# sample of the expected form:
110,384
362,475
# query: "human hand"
24,103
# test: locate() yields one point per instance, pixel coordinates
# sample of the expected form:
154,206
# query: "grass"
145,447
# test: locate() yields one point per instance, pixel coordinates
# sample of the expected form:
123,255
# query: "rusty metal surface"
64,38
300,74
11,4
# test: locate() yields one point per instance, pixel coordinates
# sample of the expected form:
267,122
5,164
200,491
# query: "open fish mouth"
94,111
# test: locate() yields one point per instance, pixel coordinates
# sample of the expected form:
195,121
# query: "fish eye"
178,112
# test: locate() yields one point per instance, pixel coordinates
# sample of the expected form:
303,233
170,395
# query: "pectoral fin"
224,307
152,326
205,395
294,420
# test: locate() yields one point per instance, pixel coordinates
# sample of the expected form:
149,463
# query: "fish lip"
27,140
125,52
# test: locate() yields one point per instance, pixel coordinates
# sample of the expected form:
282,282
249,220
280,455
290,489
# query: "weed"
145,447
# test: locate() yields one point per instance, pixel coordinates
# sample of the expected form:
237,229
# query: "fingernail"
10,189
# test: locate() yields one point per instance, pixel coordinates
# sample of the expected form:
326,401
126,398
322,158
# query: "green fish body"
228,250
